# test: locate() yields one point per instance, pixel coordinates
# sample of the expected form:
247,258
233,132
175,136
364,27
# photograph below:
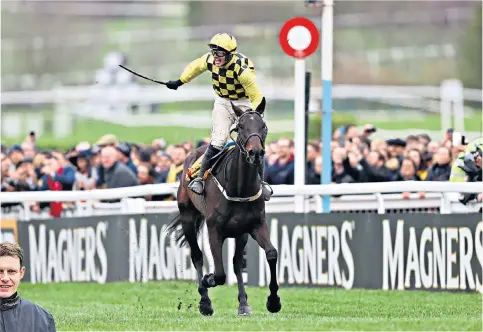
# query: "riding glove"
174,85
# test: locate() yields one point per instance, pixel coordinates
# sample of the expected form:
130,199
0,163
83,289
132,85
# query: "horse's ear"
238,111
261,107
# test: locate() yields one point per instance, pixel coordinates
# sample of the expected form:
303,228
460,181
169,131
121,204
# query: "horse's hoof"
208,280
244,310
206,309
273,304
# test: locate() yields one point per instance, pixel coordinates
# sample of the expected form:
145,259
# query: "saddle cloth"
194,170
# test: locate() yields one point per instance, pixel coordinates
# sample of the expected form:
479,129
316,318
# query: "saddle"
194,170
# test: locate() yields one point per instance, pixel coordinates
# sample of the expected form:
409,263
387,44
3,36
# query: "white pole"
445,107
326,74
458,106
299,131
452,104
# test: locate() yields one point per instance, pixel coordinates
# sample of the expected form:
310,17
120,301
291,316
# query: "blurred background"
79,44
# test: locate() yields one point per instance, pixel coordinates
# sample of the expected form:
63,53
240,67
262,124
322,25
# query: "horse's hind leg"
189,219
216,245
261,235
240,243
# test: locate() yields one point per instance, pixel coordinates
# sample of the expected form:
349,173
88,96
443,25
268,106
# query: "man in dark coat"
18,314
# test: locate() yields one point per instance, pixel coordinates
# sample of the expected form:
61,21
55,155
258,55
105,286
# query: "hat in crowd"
165,154
396,142
15,147
25,161
86,154
107,139
81,146
124,148
95,149
145,156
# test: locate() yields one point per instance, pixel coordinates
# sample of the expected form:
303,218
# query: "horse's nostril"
251,153
262,152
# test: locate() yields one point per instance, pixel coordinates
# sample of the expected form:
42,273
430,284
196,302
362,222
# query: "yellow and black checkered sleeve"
194,69
249,82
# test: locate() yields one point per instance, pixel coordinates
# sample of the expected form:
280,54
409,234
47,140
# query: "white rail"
279,190
156,94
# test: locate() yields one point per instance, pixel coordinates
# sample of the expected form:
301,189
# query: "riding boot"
266,190
197,185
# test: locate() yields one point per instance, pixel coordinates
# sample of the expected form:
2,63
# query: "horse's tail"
173,227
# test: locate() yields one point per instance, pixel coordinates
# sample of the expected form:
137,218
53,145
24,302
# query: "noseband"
241,145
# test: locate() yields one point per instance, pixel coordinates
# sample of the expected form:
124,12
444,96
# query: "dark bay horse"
233,207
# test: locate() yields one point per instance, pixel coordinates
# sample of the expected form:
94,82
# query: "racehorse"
232,206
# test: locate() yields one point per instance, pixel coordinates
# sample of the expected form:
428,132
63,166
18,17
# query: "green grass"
426,122
92,130
154,306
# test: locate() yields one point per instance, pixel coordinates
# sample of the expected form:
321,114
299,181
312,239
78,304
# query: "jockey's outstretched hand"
174,85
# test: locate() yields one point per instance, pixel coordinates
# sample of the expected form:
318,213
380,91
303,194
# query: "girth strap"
237,199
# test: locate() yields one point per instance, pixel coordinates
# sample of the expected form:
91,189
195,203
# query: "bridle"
241,145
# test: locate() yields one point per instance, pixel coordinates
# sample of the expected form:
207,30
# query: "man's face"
220,57
16,156
163,162
52,164
108,157
443,156
373,159
284,148
10,275
178,155
143,174
478,161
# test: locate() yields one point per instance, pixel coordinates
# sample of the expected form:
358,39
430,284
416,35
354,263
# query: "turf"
92,130
173,306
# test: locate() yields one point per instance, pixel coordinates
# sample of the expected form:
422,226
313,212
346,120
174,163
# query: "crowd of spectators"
112,164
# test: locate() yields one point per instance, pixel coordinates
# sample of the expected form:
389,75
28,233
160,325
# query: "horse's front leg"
216,245
262,236
240,243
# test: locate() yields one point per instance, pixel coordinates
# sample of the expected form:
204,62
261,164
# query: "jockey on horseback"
234,80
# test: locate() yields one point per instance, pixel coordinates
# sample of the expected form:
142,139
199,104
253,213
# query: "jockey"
233,79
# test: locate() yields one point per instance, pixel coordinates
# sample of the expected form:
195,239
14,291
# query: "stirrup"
267,191
192,184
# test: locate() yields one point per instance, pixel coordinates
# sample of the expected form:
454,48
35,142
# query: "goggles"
218,53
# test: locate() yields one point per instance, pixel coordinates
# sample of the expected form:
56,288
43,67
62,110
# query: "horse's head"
252,132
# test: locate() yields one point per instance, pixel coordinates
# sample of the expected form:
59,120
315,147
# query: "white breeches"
223,118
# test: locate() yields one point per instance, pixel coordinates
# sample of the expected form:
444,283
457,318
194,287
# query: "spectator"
362,170
339,175
441,169
145,175
28,150
56,173
416,157
408,171
86,175
282,170
173,174
162,164
116,174
313,150
395,148
124,155
15,154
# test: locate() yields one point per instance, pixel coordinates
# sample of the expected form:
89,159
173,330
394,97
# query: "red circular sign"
314,41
